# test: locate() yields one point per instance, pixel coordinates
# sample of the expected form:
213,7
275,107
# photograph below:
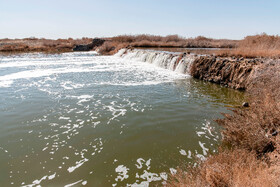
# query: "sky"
232,19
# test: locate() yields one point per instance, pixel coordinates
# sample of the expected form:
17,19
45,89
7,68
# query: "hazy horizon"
64,19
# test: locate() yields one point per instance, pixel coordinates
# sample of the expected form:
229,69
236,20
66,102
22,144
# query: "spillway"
178,62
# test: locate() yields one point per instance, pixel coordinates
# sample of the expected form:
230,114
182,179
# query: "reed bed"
262,45
113,44
41,45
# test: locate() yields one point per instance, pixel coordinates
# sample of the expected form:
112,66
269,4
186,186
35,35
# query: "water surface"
78,119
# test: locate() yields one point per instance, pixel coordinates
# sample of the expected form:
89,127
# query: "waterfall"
173,61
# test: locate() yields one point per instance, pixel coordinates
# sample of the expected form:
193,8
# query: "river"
79,119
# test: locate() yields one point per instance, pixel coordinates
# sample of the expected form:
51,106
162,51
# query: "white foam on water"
204,149
172,171
6,83
143,176
43,73
73,184
139,161
183,152
78,164
38,181
84,182
122,173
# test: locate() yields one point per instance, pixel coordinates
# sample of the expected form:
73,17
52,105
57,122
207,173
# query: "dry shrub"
251,128
170,41
40,45
110,47
262,45
115,43
228,168
107,47
262,41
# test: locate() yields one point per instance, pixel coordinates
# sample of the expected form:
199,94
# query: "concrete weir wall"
230,72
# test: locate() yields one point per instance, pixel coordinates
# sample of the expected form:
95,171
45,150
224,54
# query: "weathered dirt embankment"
230,72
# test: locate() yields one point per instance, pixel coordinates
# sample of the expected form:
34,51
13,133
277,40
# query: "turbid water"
79,119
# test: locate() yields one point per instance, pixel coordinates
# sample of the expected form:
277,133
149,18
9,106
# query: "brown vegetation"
40,45
229,168
253,128
251,140
115,43
262,45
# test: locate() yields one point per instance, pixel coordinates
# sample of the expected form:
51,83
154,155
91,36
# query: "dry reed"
262,45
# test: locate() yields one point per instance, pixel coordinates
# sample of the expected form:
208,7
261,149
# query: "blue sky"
84,18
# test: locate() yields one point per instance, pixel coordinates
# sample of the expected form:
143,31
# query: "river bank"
250,141
250,150
29,45
110,45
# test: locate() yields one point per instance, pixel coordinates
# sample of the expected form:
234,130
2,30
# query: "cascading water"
173,61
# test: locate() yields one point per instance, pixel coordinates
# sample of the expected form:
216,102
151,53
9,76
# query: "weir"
179,62
230,72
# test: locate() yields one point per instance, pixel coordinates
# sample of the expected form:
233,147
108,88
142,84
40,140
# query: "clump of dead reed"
262,45
41,45
229,168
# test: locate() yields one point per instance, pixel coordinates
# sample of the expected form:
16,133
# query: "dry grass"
261,45
40,45
236,168
251,128
171,41
111,47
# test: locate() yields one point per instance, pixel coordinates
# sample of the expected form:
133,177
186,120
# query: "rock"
245,104
95,43
81,48
274,133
